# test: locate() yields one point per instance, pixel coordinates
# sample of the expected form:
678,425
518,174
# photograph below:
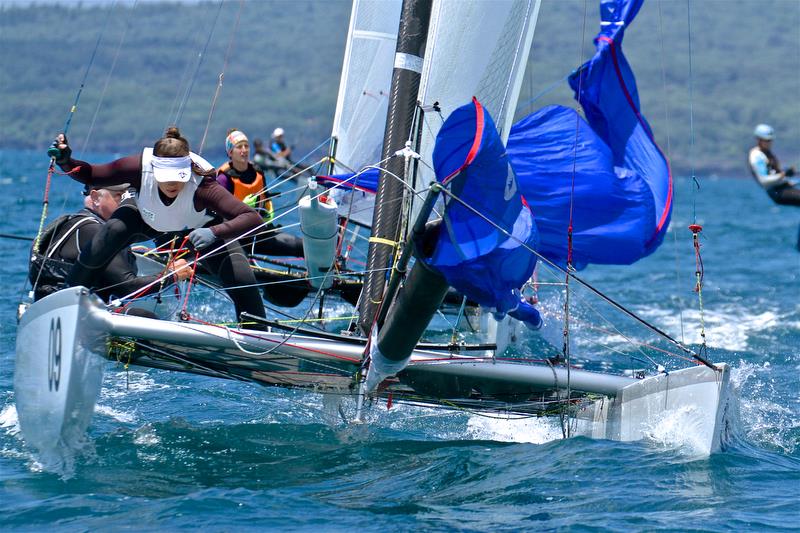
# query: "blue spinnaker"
621,199
367,181
476,257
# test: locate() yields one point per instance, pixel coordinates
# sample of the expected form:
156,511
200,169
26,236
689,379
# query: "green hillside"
286,59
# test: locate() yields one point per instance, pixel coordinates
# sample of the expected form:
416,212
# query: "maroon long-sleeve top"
238,217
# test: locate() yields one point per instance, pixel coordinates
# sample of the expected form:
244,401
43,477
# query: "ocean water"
173,451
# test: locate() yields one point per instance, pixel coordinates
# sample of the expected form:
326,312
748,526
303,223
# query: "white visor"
172,168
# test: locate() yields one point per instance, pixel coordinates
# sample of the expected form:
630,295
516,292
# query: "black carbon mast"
411,39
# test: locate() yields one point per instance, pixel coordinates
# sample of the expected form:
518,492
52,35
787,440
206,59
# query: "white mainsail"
475,48
360,119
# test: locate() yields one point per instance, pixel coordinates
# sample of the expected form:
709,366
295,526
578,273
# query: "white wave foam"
9,420
128,382
680,429
728,327
764,420
120,416
146,436
528,430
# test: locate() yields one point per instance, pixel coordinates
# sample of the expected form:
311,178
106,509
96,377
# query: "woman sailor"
241,178
174,189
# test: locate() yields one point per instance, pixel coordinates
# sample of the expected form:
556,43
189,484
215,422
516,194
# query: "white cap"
764,131
172,168
277,133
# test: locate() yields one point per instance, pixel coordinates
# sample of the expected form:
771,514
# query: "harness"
48,272
773,165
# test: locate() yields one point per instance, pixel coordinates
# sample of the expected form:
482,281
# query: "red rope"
698,259
170,258
184,314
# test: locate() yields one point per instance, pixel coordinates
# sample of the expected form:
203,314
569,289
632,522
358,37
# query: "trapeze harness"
49,270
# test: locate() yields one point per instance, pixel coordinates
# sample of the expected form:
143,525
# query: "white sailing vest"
180,214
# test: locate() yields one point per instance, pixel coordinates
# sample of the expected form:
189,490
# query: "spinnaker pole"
411,39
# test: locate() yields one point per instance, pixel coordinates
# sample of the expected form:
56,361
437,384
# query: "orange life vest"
242,190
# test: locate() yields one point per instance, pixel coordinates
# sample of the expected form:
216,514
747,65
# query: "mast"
411,38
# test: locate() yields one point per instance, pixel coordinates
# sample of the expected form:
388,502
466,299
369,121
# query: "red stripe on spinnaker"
629,98
476,141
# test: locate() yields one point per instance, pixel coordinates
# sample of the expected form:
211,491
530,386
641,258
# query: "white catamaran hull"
58,370
62,345
698,396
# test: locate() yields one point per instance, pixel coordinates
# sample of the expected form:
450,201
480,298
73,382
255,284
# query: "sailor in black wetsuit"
766,169
64,238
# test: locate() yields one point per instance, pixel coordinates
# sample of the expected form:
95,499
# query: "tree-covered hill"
744,68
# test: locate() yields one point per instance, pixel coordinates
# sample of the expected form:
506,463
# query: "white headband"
166,169
172,162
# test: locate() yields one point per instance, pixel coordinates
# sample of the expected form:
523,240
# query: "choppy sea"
175,451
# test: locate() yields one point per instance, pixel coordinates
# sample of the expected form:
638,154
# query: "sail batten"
360,119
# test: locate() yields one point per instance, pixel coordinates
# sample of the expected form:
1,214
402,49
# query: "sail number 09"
54,354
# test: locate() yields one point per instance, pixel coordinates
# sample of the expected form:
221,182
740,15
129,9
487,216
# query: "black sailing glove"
60,150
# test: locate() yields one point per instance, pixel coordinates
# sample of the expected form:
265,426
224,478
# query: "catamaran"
453,208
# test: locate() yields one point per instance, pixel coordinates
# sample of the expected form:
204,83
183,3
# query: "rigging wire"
547,90
695,182
221,75
54,152
569,267
669,157
585,284
200,59
110,72
183,79
694,227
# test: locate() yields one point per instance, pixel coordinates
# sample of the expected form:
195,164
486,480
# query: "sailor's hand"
60,150
202,238
180,270
789,172
251,200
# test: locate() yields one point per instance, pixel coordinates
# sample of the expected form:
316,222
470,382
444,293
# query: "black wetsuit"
781,194
66,237
785,194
